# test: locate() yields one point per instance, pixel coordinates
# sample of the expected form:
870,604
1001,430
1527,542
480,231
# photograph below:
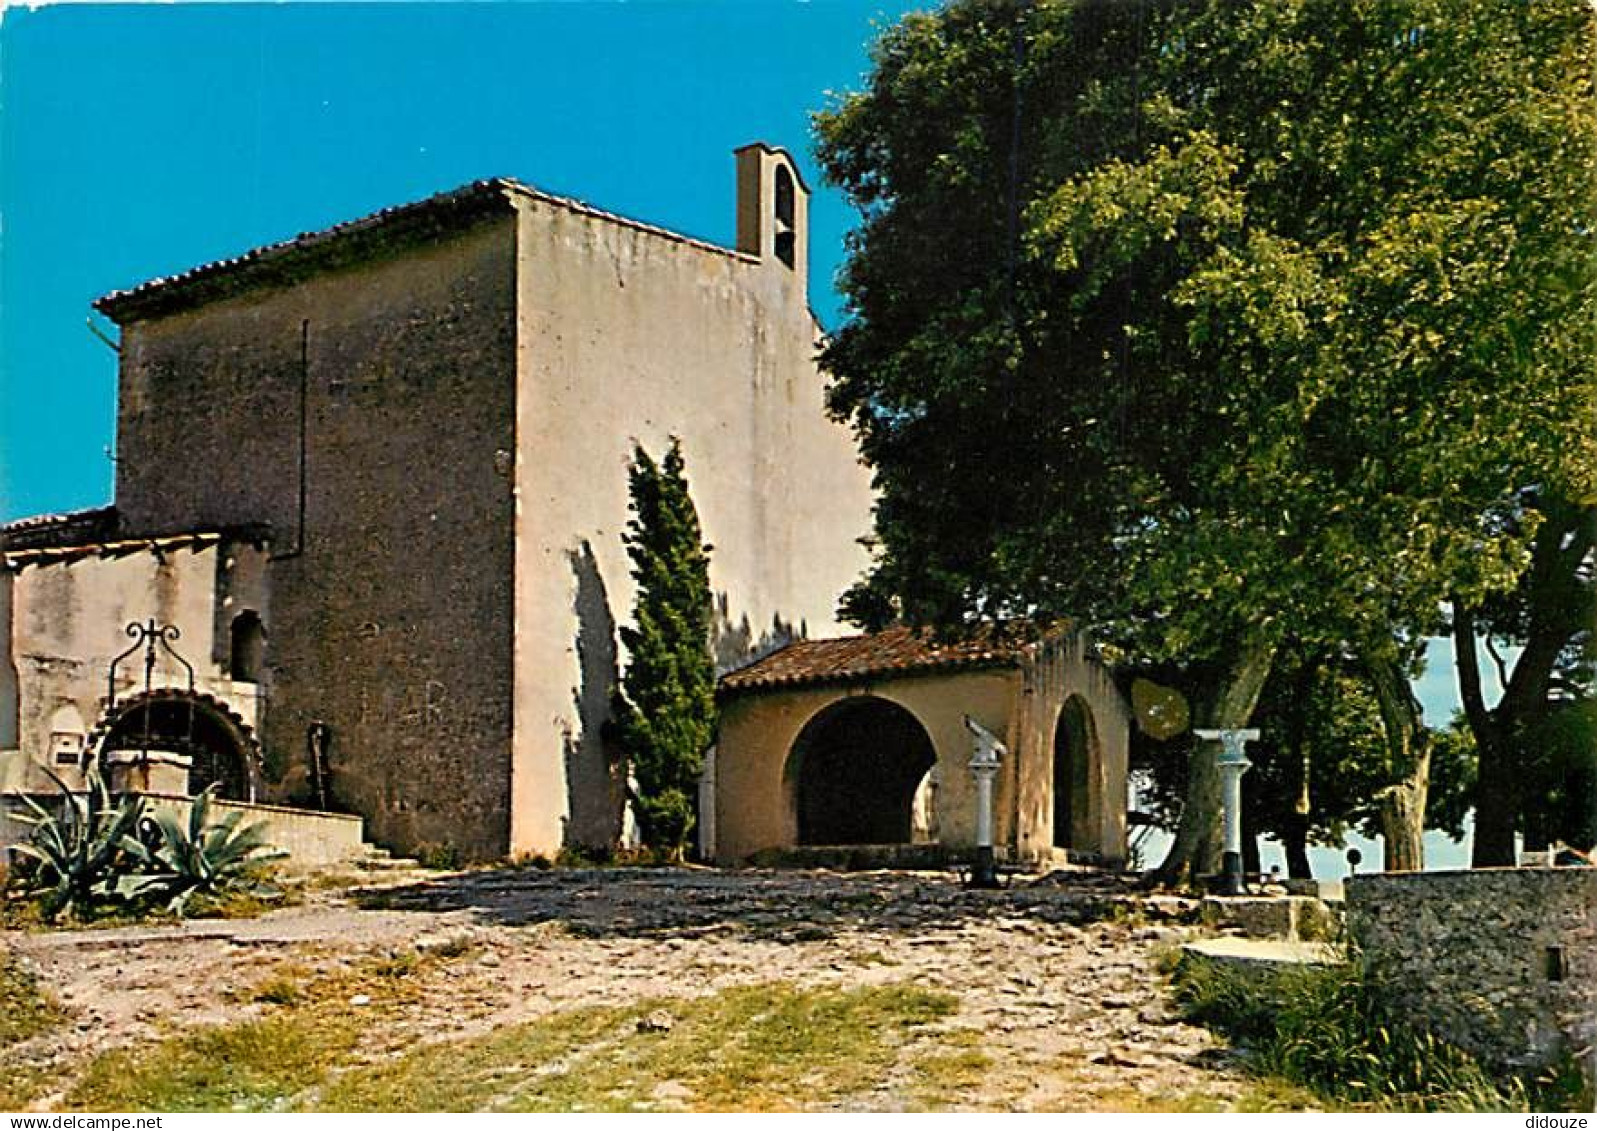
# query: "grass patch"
760,1048
25,1009
775,1047
261,1063
248,1066
1324,1029
952,1071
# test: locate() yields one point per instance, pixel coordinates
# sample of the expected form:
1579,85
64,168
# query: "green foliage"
1211,324
1326,1028
201,857
100,855
665,713
25,1010
81,855
1320,761
1538,743
439,857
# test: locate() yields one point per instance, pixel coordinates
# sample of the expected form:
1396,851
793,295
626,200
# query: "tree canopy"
1217,326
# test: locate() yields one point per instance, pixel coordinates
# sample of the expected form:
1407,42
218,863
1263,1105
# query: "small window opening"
66,749
248,649
67,736
1555,964
786,237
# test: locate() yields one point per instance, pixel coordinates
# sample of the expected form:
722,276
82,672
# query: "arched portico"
863,740
854,771
1075,753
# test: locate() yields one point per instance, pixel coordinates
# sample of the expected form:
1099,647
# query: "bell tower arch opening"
1075,753
855,770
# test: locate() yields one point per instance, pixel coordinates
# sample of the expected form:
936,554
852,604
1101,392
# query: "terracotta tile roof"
36,531
194,539
290,260
895,651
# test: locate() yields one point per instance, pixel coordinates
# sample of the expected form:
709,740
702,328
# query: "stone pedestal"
149,771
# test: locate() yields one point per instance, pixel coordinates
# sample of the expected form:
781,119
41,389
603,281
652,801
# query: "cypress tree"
665,712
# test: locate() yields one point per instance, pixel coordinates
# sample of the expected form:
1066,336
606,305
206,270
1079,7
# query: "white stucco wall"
628,334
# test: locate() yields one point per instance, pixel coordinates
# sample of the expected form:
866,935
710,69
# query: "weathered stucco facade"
431,412
863,740
64,615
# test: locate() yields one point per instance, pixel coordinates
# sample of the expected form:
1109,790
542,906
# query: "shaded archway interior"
219,750
1073,756
857,766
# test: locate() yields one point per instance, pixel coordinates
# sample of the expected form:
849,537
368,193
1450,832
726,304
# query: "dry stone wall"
1500,961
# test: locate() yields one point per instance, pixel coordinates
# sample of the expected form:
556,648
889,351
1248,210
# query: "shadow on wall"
736,645
595,787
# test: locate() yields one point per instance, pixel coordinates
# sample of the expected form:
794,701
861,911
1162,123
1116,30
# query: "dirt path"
1059,979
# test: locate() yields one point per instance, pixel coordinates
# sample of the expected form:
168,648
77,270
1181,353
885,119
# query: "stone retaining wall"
1502,962
310,838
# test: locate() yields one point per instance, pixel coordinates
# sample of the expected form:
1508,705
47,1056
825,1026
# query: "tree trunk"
1251,865
1295,832
1408,751
1197,846
1295,839
1496,803
1403,820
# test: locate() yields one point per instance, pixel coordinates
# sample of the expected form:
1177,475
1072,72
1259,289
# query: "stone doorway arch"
854,771
1075,753
218,747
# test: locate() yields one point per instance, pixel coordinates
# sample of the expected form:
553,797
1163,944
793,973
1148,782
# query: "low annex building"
375,476
862,741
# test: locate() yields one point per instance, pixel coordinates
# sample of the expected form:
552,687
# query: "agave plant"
195,856
83,853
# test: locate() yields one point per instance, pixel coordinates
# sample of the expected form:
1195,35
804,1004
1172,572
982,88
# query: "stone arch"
785,212
222,747
854,771
1076,753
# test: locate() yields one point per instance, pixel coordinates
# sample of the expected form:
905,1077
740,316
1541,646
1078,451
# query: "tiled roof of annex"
894,651
50,538
288,260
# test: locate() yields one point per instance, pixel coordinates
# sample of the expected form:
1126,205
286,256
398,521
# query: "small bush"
1326,1028
439,857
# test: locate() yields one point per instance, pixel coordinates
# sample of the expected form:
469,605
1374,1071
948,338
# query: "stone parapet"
1502,962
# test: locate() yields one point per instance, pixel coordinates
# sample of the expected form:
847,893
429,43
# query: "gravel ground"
1059,975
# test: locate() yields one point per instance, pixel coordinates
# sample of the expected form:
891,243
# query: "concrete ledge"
1265,954
1272,916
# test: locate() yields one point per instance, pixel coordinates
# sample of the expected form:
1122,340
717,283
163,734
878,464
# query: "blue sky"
140,140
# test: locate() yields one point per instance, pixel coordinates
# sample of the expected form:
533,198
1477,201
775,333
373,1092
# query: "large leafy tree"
665,712
1538,742
1211,323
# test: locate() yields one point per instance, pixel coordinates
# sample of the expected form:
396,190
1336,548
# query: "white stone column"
984,763
1232,764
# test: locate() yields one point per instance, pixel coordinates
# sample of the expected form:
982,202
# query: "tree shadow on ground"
784,906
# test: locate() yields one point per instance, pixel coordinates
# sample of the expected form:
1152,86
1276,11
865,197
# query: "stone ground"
1059,975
